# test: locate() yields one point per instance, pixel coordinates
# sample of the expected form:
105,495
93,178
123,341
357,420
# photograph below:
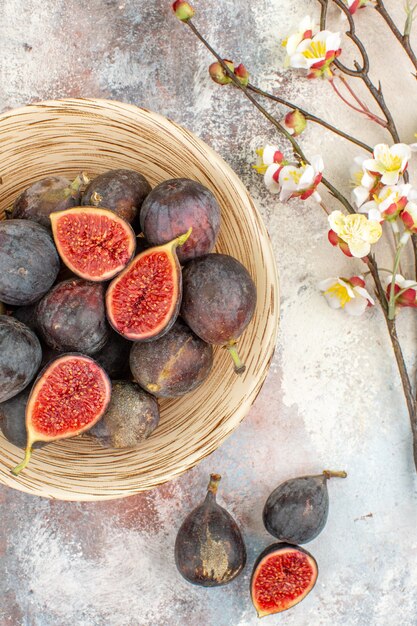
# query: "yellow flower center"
358,228
317,50
395,196
340,292
295,175
260,166
390,161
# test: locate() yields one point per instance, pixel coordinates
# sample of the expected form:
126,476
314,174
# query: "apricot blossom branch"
403,38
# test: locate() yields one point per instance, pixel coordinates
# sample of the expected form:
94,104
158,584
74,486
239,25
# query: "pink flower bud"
242,74
409,217
408,297
335,240
295,122
218,74
183,10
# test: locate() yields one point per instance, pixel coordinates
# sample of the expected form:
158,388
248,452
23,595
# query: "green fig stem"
328,474
28,453
214,483
81,180
180,241
239,366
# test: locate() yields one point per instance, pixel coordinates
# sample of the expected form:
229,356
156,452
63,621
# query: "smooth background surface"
332,398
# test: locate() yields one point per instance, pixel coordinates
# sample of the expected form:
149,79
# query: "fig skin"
219,300
28,316
114,357
12,419
176,205
29,262
71,317
297,510
122,191
130,418
20,357
173,365
209,548
271,550
46,196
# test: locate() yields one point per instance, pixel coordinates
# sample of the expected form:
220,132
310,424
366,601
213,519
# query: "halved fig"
94,243
68,398
143,301
282,576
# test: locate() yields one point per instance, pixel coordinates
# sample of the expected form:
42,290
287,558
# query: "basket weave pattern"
65,137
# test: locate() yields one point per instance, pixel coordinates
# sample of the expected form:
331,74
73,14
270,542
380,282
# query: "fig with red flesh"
71,317
173,365
282,576
67,399
122,191
143,301
20,356
131,417
176,205
54,193
209,548
219,300
297,510
95,244
29,262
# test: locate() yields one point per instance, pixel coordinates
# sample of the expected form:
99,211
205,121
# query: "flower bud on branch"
183,10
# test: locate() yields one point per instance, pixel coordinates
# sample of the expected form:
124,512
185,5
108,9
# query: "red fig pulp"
283,575
68,398
94,243
143,301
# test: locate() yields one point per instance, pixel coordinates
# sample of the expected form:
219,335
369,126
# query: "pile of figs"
110,298
210,550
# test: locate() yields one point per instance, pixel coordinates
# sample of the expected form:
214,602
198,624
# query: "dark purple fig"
176,205
46,196
282,576
29,262
114,357
20,357
297,510
122,191
71,317
130,418
209,549
173,365
12,419
219,300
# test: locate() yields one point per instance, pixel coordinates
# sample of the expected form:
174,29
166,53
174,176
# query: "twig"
310,116
363,109
362,70
297,149
403,38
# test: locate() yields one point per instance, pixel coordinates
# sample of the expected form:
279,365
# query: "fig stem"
239,366
328,474
79,181
28,452
214,483
179,241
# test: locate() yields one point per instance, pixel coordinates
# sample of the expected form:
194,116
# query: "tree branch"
310,116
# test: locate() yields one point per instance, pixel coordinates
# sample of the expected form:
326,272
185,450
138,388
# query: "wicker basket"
64,137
